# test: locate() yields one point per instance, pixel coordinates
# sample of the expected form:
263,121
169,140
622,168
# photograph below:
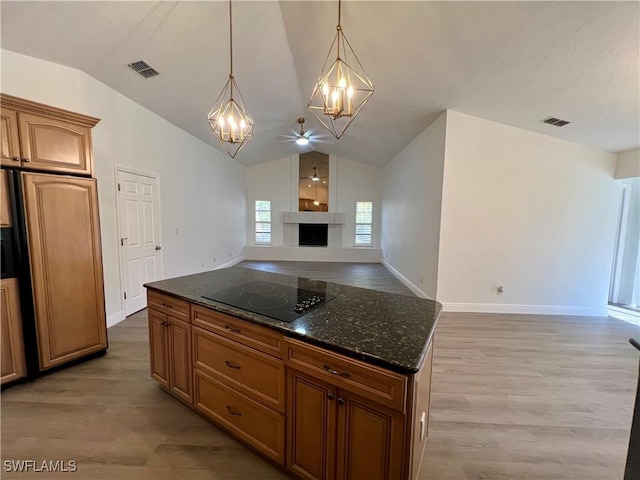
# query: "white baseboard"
524,309
624,314
231,263
312,254
406,281
115,318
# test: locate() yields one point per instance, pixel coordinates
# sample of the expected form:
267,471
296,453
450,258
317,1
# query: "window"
263,221
364,218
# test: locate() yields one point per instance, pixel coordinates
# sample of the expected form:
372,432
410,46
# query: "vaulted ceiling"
511,62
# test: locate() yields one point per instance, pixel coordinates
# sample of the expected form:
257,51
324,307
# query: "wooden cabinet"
13,360
5,202
322,415
38,137
170,354
66,266
239,379
333,433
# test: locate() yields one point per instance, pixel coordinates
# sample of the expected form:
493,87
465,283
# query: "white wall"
628,164
269,181
531,212
275,180
412,199
202,190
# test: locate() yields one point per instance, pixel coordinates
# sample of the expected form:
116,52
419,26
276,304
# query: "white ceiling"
511,62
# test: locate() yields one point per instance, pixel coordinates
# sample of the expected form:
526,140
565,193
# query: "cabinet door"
13,361
311,427
5,202
66,267
180,358
54,145
370,440
9,146
159,347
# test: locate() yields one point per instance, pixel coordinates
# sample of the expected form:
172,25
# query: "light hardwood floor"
514,396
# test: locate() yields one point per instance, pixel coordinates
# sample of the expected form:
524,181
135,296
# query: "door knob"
158,247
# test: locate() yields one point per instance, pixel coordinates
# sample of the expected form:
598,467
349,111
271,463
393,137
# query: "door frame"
124,169
620,241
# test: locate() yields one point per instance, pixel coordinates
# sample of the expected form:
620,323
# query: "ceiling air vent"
143,69
556,122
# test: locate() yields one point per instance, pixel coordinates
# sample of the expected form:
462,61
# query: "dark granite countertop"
385,329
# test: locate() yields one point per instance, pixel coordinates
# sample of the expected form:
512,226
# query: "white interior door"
140,248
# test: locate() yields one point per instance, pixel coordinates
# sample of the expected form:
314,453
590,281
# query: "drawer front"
262,339
168,304
382,386
255,374
259,426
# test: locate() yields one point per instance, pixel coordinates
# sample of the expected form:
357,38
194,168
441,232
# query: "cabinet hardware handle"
26,160
233,412
335,372
234,330
340,400
16,159
331,395
231,365
168,305
158,247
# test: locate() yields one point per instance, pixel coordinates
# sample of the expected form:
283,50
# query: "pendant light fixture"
229,120
302,139
343,88
315,176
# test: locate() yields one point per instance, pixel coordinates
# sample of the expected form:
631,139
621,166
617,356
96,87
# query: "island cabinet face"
319,414
170,354
334,432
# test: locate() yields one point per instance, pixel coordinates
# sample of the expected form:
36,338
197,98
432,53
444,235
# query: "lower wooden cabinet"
170,354
13,360
259,426
333,433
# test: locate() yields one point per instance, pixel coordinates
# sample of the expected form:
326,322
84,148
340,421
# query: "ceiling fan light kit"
229,119
343,88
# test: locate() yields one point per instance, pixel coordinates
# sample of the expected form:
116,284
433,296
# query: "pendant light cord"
230,41
339,11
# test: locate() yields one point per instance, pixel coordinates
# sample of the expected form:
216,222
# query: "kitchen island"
342,391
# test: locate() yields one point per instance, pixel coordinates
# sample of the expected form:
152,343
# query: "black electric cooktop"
271,299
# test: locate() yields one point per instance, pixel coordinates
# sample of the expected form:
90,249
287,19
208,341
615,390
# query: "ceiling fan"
302,138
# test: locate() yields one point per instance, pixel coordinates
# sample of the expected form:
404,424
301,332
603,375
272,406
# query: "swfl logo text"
37,466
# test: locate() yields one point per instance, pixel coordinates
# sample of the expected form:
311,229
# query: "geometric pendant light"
229,119
343,87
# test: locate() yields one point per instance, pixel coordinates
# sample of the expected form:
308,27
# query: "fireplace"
313,234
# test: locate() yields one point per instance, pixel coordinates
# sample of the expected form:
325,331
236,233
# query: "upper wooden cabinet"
38,137
66,266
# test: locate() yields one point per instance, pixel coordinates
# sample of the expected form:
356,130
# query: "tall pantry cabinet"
49,152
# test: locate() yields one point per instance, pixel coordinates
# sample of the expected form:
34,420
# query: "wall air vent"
143,69
556,122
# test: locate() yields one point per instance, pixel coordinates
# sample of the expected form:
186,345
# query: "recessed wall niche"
313,195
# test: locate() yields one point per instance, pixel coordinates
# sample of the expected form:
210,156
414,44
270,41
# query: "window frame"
356,223
256,221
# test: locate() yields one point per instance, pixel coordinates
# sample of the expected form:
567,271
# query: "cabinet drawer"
262,339
259,426
168,304
382,386
253,373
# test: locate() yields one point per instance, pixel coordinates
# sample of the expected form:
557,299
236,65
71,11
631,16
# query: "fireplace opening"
313,234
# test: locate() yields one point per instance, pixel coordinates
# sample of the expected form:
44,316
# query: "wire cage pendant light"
343,87
229,119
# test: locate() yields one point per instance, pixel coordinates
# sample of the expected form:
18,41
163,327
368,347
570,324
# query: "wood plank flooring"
514,396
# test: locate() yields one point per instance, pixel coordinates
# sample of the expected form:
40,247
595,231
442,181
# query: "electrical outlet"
421,280
500,290
214,259
176,230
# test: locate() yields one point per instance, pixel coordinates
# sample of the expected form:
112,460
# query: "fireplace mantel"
329,218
